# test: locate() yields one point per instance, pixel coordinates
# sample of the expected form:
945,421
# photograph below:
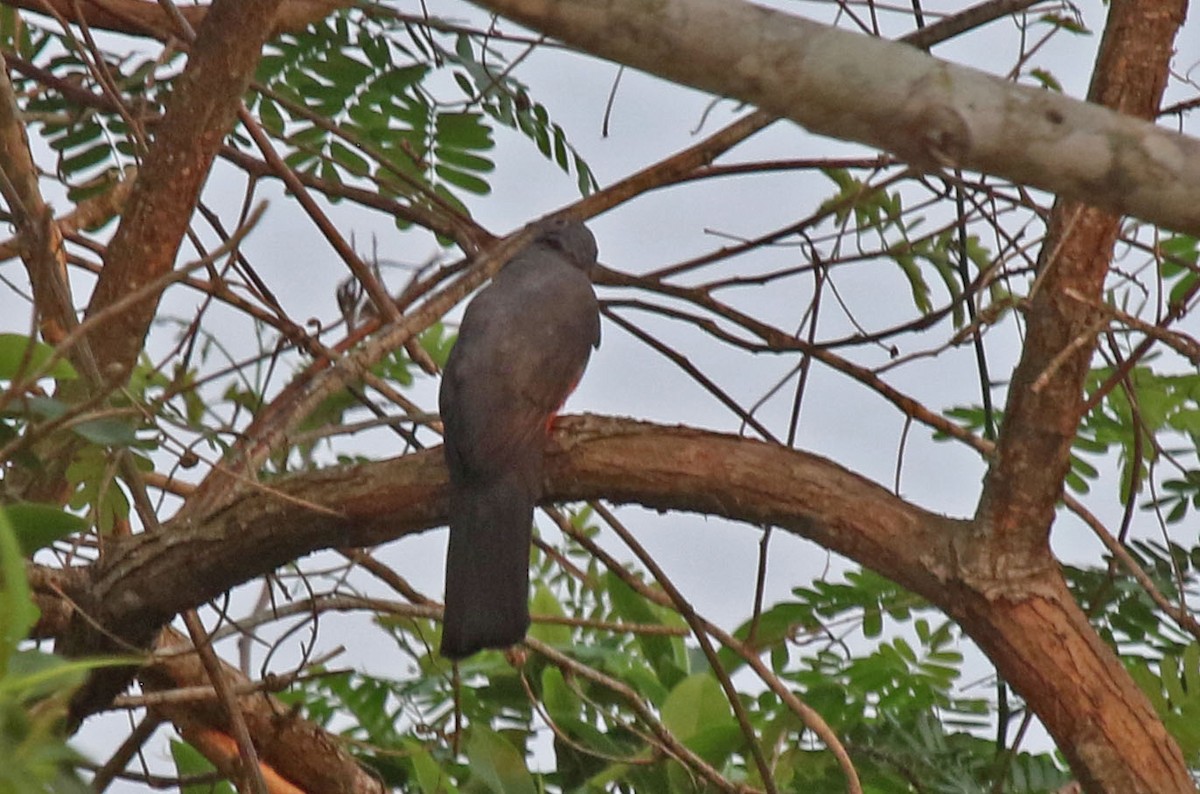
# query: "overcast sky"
712,561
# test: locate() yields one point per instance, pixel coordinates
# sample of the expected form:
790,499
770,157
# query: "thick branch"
889,96
149,578
199,114
1045,400
1041,420
296,749
147,18
1044,647
1041,643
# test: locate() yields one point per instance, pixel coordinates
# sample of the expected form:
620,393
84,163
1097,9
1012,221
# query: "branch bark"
199,114
1045,400
1041,642
147,18
889,96
1045,404
294,749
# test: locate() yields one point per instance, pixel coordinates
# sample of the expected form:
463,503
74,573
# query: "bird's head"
572,239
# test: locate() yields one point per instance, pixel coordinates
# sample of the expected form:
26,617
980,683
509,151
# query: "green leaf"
464,160
463,131
36,526
342,70
659,651
17,610
107,432
872,623
77,136
696,703
560,700
916,281
270,117
1178,251
1068,22
17,358
462,179
1181,291
349,159
376,50
189,763
437,342
1046,79
432,777
34,675
86,159
545,603
497,764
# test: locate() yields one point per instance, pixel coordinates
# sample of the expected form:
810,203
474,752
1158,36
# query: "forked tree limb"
1028,624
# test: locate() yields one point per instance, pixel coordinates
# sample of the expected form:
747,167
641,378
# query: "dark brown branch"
147,18
1032,455
294,748
1071,684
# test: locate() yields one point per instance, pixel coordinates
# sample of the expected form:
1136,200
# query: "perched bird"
522,347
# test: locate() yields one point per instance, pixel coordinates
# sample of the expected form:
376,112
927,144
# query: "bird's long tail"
487,565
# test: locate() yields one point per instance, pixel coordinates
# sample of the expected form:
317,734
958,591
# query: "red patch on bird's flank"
554,414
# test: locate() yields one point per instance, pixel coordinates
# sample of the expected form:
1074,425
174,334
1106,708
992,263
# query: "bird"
522,347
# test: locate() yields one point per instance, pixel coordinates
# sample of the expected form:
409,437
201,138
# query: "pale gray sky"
651,119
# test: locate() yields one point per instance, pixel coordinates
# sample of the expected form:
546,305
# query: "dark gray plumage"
523,345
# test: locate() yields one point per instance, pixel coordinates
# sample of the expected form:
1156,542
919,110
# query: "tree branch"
1045,404
1045,400
1075,684
292,747
41,244
199,114
889,96
147,18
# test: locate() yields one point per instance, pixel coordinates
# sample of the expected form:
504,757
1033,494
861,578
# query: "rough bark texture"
199,114
1109,732
292,748
1045,399
148,18
1025,481
926,111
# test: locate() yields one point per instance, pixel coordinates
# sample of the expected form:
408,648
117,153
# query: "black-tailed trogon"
522,346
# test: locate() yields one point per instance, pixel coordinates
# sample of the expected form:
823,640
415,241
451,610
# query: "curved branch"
1075,684
152,577
144,580
928,112
147,18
